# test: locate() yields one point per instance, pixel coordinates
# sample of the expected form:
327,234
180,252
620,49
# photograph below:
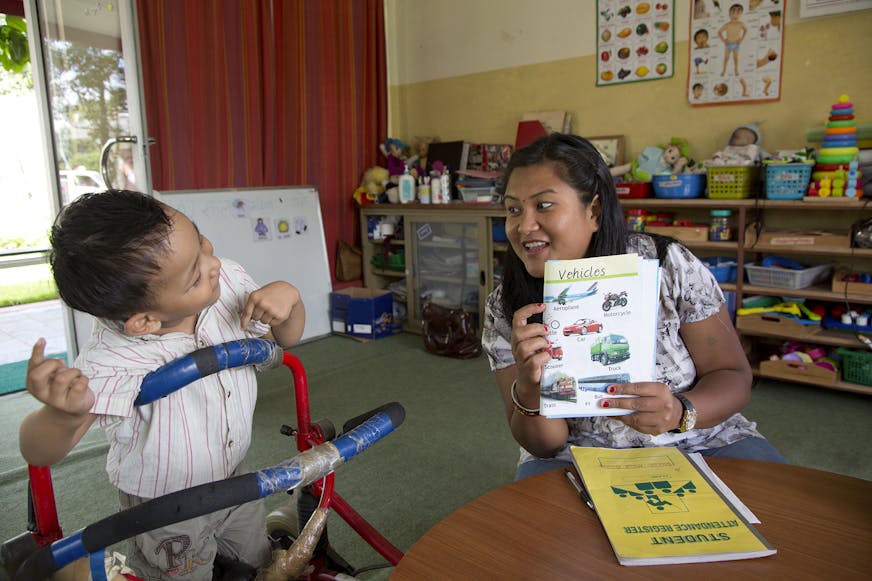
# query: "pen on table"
579,488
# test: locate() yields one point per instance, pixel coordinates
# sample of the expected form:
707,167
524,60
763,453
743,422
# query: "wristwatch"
688,416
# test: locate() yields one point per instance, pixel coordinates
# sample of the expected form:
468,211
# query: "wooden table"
538,528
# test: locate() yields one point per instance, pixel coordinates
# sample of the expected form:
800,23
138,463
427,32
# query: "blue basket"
690,185
722,268
787,181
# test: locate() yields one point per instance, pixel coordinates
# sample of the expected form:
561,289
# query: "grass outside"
26,284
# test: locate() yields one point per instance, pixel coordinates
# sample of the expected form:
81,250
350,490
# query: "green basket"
396,261
856,366
734,182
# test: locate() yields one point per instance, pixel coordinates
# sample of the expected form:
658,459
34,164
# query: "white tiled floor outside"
22,325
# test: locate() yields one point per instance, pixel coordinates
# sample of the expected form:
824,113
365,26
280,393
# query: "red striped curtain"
261,93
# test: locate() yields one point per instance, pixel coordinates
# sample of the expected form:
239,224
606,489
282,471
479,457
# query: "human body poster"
736,51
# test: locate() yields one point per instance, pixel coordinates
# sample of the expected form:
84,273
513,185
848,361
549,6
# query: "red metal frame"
308,435
46,529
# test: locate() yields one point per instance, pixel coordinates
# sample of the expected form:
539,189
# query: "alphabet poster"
736,51
635,41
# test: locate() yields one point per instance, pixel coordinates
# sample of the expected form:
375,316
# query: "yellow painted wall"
823,57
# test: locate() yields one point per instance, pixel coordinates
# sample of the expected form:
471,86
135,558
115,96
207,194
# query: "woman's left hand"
656,410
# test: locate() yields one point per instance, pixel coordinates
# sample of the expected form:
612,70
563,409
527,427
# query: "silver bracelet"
518,406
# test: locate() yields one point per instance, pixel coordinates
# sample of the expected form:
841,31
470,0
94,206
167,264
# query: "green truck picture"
610,349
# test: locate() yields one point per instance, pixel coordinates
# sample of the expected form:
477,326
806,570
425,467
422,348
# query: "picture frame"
611,147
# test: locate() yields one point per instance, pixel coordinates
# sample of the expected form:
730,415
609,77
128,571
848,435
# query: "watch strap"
687,410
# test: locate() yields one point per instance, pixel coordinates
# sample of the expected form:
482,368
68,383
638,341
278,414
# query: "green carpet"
12,374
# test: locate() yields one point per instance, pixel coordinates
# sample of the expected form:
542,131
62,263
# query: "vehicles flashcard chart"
601,314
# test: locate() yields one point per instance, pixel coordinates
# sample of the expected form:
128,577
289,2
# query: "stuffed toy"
670,158
395,154
371,186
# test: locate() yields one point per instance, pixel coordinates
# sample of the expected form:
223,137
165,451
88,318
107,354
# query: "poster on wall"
635,41
812,8
736,50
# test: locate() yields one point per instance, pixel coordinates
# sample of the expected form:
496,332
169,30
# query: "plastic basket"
732,181
633,189
856,366
722,268
785,277
787,181
396,261
679,185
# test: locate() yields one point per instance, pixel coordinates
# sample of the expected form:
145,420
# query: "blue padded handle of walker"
202,499
180,372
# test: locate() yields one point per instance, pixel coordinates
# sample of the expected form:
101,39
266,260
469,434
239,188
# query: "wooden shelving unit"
837,214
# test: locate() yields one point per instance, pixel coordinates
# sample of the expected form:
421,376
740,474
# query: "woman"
561,204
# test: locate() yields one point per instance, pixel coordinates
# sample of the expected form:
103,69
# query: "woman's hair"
580,165
106,251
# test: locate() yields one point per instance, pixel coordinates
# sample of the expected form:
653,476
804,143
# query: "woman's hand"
529,344
656,410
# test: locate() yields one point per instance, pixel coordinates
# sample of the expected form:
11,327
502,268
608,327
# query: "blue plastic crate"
690,185
787,181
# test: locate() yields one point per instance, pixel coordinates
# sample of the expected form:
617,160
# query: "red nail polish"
611,389
606,403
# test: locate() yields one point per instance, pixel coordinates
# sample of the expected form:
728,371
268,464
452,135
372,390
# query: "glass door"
447,264
87,79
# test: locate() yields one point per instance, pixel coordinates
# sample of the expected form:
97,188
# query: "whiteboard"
274,233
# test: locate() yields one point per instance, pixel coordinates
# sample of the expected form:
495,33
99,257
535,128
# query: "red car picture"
583,327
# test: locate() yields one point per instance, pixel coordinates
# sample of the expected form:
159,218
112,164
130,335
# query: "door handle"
104,155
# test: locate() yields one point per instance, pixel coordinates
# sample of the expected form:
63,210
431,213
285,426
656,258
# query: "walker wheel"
281,526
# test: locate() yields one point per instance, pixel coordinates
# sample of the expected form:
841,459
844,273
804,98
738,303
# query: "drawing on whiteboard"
283,228
241,208
261,230
300,225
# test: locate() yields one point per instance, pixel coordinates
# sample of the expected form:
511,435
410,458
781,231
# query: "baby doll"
743,147
671,158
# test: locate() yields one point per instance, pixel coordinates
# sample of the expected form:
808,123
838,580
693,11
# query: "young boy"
732,33
158,293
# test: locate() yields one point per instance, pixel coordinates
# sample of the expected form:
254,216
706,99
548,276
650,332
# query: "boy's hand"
271,304
55,385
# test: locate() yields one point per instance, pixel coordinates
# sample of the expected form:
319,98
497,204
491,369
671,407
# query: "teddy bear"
670,158
371,186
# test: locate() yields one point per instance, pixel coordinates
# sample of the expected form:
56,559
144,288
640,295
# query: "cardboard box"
362,312
785,238
682,233
854,288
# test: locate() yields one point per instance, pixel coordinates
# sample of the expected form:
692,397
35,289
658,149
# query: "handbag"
449,332
349,262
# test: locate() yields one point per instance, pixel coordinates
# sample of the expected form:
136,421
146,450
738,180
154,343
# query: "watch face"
689,420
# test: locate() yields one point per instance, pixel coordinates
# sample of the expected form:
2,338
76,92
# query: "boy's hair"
578,163
106,250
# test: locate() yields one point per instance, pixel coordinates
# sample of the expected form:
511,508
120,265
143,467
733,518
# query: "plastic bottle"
445,180
424,190
435,188
407,187
721,228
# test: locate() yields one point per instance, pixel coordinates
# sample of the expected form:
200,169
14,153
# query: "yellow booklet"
657,508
